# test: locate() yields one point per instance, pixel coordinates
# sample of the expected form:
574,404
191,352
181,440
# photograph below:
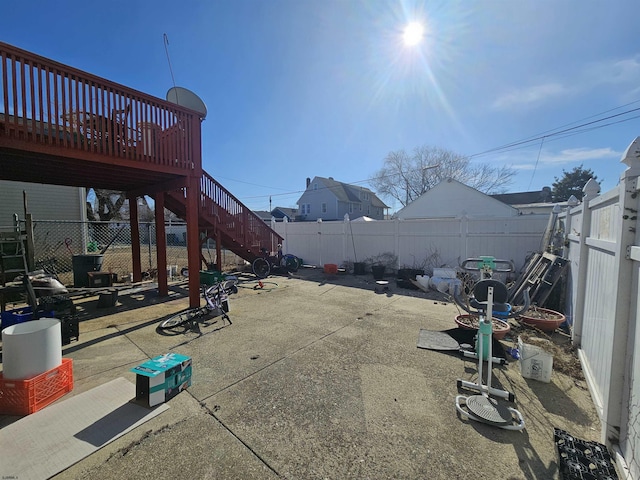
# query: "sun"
413,34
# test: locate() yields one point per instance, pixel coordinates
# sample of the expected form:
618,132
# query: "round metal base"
489,410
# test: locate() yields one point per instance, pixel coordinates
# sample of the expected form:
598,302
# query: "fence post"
319,222
590,190
628,210
345,237
464,231
285,243
396,234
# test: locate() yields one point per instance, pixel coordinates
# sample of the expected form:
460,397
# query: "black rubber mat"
452,339
435,340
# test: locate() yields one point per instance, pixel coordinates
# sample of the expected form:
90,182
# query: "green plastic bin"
209,277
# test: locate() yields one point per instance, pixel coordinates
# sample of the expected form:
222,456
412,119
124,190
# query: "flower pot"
358,268
470,322
542,318
378,272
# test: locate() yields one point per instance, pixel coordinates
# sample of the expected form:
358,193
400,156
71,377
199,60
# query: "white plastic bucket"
31,348
423,280
535,363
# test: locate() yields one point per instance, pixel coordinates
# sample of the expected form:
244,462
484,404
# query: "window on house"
305,209
360,207
351,208
324,208
315,186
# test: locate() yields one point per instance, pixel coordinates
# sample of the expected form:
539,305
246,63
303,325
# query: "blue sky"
304,88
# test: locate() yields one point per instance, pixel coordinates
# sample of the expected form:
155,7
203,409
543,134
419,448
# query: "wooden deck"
63,126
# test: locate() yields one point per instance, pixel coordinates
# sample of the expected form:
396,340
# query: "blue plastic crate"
20,315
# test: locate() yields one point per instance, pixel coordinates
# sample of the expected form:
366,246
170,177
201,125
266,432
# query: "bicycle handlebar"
492,263
513,313
227,286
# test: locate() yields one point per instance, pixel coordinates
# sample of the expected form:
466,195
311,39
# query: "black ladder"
13,255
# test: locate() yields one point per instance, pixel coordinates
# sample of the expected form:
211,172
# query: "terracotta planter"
500,327
542,318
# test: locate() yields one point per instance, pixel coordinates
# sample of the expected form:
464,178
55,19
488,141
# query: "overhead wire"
546,136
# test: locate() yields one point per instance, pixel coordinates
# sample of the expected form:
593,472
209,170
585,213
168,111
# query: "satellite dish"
188,99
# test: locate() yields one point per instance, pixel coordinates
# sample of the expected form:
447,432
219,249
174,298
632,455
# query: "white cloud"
618,72
526,161
531,95
523,166
623,73
575,155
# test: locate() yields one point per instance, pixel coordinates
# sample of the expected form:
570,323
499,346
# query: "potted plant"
378,271
470,322
382,263
359,268
542,318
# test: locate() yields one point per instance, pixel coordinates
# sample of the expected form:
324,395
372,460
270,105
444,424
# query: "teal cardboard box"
162,378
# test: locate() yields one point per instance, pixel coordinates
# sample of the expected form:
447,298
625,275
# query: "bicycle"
263,265
216,299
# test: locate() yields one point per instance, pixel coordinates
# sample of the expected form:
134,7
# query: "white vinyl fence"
602,243
435,241
601,239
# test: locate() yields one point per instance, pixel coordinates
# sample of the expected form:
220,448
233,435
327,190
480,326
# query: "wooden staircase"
223,218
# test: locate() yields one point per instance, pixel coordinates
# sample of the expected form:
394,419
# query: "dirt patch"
471,321
542,314
565,354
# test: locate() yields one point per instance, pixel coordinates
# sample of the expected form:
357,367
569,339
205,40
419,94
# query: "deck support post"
218,250
193,241
135,237
161,245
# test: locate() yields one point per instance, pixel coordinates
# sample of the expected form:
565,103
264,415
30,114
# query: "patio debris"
540,274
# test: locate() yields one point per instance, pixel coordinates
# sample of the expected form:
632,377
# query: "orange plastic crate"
330,268
22,397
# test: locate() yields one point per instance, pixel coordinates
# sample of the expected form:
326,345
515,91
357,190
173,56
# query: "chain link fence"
57,242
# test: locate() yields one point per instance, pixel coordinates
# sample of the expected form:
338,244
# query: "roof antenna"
166,43
182,96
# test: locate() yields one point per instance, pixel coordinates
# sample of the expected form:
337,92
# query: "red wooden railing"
234,219
241,230
52,108
73,113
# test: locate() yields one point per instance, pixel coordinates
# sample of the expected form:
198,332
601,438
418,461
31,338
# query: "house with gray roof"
280,213
329,199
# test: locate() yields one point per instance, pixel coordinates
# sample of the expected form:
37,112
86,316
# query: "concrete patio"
317,377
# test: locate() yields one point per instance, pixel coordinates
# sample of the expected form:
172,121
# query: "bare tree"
112,205
405,177
108,205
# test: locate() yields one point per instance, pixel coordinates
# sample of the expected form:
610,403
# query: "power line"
548,135
545,136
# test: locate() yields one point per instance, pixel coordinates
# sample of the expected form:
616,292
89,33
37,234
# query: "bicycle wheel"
180,318
291,263
260,267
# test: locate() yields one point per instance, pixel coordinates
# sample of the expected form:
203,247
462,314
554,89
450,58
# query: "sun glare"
413,34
